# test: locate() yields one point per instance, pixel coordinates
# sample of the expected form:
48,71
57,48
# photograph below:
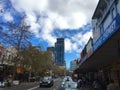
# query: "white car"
68,83
2,84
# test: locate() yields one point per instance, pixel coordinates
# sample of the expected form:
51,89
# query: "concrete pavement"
21,84
86,88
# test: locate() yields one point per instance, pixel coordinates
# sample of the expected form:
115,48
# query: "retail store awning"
104,56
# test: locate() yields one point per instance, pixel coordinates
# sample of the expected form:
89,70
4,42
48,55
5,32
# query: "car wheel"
39,86
50,85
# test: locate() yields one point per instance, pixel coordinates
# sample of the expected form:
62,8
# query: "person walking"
96,85
79,83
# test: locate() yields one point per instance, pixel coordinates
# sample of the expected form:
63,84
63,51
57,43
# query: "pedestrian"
1,78
103,85
96,85
79,83
67,79
112,86
84,81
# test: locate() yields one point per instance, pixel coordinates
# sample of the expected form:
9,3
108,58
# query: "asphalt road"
34,86
56,86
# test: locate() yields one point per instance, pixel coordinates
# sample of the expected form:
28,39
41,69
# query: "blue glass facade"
59,51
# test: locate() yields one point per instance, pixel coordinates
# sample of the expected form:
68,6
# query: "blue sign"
112,28
109,31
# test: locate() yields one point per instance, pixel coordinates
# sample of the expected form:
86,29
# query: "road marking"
33,88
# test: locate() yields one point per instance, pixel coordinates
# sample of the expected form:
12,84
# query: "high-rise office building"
59,52
73,65
52,50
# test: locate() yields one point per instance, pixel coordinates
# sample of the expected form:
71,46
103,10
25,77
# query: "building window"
107,21
114,12
101,29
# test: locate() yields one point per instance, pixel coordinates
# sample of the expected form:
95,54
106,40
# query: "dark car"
46,81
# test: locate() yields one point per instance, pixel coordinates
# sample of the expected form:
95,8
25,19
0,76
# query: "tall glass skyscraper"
59,51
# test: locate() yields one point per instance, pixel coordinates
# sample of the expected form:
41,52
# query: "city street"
34,86
59,45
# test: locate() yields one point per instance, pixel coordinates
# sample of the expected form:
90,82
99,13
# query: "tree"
17,35
37,60
31,56
59,70
46,64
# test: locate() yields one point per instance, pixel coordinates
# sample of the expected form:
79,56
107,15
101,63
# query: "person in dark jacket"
79,83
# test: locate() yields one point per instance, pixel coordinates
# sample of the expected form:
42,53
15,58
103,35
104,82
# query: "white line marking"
33,88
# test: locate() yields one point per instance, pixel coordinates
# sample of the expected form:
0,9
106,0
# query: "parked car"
46,81
68,83
2,84
32,79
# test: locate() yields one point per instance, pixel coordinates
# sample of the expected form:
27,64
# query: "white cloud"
77,42
68,45
45,16
1,7
8,17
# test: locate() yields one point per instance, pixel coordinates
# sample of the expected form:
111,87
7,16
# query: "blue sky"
51,19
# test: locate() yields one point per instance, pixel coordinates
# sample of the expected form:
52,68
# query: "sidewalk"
86,88
21,84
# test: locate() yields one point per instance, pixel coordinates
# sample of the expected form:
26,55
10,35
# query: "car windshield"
67,78
47,78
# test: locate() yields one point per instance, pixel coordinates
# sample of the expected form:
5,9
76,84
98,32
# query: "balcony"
106,49
102,10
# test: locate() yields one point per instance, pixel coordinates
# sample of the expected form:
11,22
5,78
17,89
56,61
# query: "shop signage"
84,59
109,31
113,27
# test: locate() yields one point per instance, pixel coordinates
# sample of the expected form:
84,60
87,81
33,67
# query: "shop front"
105,60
